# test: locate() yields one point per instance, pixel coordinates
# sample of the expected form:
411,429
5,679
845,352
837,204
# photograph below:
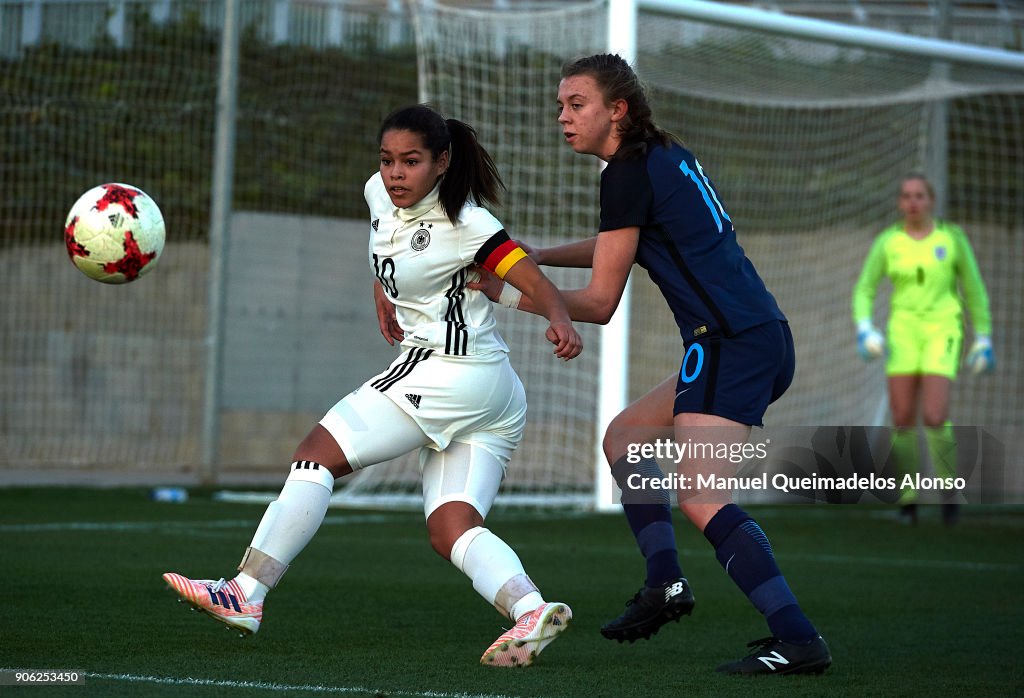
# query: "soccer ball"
114,233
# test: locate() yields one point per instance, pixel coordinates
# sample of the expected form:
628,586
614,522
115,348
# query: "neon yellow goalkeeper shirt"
924,275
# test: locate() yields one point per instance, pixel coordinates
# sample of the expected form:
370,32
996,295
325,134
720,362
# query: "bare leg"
701,507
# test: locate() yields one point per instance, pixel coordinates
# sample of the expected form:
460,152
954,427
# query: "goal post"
778,24
613,393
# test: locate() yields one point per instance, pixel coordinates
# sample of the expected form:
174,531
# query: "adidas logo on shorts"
414,399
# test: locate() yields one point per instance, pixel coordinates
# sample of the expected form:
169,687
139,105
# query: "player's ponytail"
471,172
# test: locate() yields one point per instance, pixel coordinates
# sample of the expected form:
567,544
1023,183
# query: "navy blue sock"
743,550
649,514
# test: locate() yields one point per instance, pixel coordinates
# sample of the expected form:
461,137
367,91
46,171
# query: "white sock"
496,571
291,520
253,589
531,602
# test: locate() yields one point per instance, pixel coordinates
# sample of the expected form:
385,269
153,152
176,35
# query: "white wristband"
510,296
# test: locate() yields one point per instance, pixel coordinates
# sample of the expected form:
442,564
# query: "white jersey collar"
420,207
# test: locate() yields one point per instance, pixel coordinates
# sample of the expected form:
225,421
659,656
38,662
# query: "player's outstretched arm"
544,299
578,254
614,252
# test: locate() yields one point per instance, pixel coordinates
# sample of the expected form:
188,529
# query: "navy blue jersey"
687,242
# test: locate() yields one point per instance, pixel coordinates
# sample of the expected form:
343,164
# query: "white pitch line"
268,686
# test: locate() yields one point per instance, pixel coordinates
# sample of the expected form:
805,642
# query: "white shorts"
476,400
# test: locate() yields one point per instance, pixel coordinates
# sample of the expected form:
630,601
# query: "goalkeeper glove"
870,343
980,358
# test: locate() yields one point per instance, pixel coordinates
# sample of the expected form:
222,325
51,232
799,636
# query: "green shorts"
923,346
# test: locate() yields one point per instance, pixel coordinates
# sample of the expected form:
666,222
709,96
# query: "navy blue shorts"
736,377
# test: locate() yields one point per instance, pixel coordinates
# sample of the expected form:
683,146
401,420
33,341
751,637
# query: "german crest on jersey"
420,240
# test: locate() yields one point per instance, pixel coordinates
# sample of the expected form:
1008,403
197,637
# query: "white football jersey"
423,262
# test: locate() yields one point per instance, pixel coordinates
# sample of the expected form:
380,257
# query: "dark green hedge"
307,119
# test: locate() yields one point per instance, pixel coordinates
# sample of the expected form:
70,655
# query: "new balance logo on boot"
773,656
770,660
674,589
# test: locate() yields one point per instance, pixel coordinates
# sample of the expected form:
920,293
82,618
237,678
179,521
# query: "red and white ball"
114,233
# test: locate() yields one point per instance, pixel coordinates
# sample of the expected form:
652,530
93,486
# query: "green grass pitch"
369,610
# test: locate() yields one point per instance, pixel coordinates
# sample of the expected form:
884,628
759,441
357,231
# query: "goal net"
806,140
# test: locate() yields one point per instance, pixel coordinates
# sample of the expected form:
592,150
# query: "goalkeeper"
924,259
